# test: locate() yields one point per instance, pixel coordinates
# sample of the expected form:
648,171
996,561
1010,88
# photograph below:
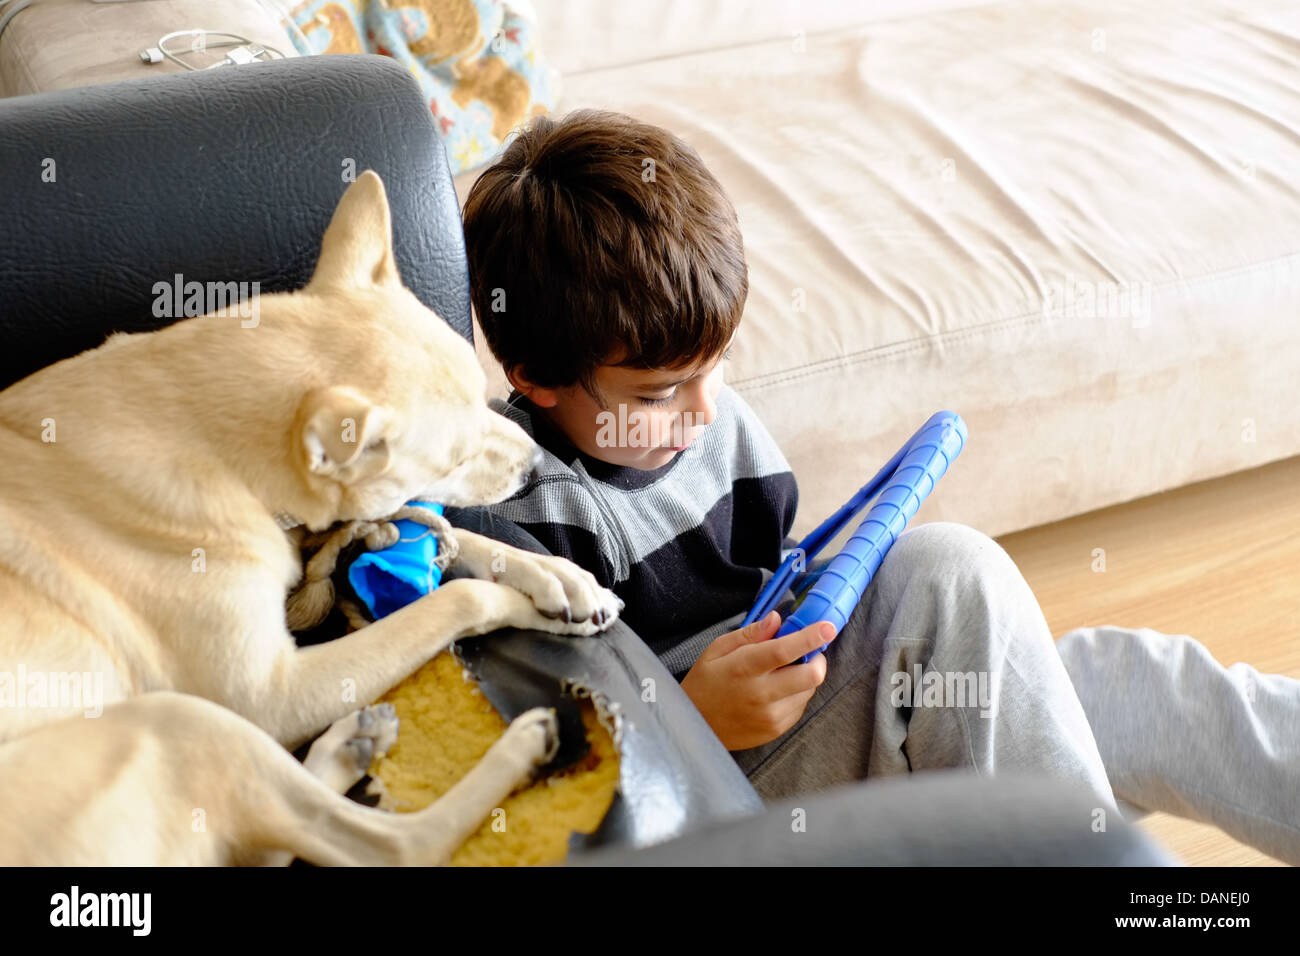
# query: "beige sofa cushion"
582,35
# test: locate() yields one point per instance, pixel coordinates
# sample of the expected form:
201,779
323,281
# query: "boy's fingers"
802,679
752,633
766,656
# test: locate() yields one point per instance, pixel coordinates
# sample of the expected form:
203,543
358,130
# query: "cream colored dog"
141,563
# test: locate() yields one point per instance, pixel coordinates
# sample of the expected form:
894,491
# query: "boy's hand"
743,688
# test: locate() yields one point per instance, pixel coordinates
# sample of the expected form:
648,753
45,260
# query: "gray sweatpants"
947,662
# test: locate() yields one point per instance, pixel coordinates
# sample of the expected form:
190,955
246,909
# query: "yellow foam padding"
447,725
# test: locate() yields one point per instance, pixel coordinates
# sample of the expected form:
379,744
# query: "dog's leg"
311,687
173,779
430,836
343,754
555,584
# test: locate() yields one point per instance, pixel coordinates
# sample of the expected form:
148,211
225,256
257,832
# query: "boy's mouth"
679,433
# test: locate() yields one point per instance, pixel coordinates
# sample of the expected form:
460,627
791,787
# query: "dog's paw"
378,723
536,734
343,754
530,617
562,592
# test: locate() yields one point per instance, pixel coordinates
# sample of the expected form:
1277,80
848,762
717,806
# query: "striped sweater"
687,546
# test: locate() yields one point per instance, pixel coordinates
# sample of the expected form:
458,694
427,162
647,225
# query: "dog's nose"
535,462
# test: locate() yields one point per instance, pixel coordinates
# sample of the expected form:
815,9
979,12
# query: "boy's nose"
706,410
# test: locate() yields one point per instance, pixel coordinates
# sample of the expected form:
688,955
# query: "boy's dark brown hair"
596,238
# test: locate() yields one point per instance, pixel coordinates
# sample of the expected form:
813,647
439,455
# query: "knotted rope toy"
314,597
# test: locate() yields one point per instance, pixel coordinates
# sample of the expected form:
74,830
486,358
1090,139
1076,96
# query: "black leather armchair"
233,174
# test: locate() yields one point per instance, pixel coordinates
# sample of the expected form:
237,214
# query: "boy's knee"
954,567
949,549
953,563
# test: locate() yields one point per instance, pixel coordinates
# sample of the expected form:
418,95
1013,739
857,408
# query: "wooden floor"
1219,560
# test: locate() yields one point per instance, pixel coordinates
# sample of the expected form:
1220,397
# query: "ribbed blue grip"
839,588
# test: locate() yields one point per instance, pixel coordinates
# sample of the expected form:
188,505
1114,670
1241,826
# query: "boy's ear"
342,435
541,397
358,246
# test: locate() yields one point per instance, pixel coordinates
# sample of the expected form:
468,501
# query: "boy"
608,275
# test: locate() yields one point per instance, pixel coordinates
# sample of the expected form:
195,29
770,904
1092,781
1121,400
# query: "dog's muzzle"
535,463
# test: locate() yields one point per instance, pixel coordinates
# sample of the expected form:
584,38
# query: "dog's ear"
343,435
358,246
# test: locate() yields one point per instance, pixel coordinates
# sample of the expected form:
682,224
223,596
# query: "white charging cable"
246,50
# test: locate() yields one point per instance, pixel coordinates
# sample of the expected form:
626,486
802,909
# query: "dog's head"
394,406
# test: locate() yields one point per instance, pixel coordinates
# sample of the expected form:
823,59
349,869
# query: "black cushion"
226,175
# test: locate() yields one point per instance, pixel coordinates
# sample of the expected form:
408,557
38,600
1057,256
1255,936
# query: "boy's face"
650,414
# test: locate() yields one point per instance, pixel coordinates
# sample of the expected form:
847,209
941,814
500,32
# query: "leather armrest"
675,774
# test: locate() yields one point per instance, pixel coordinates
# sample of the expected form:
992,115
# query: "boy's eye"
657,401
726,356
